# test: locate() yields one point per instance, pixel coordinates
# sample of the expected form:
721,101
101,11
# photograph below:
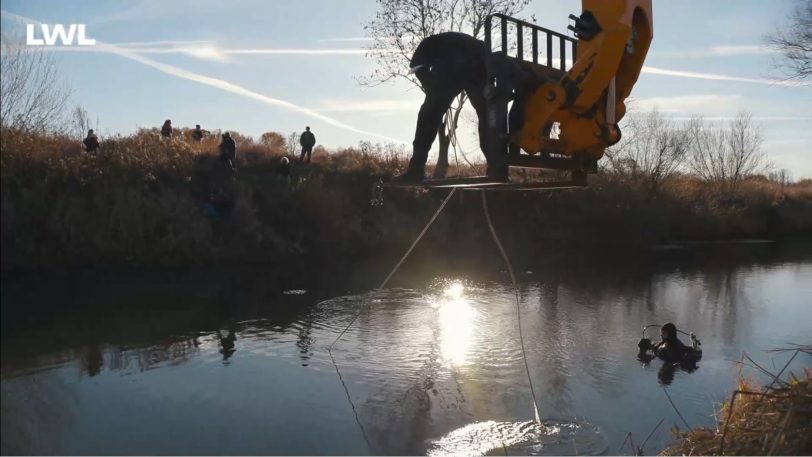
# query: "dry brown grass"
138,201
757,421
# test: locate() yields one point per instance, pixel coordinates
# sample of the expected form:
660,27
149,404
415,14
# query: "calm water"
433,366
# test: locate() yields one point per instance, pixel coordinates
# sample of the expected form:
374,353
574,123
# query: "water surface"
431,366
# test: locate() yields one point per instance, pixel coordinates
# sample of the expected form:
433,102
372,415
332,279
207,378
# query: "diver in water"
672,351
671,348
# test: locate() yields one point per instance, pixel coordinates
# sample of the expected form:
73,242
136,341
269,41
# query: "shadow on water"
234,362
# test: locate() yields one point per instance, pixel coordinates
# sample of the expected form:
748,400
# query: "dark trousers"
306,150
441,87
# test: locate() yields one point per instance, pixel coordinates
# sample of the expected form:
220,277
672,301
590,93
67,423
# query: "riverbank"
774,420
143,202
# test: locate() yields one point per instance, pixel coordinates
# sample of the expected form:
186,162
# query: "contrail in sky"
217,83
212,52
714,77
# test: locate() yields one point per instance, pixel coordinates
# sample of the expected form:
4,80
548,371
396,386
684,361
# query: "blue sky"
171,48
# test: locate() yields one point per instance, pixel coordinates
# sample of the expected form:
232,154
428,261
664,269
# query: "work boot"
412,174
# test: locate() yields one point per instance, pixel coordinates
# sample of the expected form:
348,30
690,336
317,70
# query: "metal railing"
540,36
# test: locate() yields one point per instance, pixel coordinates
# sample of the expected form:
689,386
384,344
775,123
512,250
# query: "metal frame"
486,183
497,107
497,133
536,30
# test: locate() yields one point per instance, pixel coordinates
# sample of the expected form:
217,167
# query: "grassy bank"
771,420
139,202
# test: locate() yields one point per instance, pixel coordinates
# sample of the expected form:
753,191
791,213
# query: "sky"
276,65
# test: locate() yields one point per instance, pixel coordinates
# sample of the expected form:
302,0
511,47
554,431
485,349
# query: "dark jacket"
671,349
91,143
307,140
228,148
166,130
197,134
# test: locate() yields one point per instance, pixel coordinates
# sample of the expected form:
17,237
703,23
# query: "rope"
402,259
363,306
448,117
452,136
518,302
395,269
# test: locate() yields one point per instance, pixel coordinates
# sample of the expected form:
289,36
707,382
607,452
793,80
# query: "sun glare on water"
457,321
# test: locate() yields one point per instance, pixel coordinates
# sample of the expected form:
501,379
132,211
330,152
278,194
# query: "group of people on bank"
228,147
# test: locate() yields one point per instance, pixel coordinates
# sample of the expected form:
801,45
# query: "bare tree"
33,97
273,140
782,177
652,150
292,143
400,25
794,41
727,154
81,122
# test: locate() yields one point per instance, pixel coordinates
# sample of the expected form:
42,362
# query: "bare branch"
794,42
33,98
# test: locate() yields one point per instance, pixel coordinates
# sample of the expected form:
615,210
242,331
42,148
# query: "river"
238,364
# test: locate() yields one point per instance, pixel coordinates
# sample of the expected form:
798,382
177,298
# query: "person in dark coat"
91,142
197,134
228,149
307,140
166,129
447,64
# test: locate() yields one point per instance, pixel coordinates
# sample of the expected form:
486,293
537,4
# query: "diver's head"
668,331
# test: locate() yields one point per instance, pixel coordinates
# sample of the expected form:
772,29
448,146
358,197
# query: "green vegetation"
138,202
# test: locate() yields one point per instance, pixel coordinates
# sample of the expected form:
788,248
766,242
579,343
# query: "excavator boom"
588,101
570,91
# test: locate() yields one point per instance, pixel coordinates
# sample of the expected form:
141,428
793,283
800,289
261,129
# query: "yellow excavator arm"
538,78
613,39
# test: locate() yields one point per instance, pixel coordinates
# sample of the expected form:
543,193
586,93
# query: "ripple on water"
553,437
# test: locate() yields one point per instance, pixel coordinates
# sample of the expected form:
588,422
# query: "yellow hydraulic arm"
588,101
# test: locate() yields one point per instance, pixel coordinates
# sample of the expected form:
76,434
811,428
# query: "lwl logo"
74,32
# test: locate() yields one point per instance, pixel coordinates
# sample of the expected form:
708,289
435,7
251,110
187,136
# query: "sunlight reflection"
457,320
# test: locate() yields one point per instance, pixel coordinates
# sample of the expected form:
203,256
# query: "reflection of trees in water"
556,330
146,358
719,298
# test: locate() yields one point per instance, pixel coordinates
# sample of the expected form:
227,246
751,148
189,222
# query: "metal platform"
486,183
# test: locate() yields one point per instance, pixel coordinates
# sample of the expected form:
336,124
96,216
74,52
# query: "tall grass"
138,202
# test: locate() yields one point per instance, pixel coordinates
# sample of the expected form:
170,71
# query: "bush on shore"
756,421
139,201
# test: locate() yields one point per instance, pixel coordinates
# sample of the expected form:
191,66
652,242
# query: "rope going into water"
363,306
397,267
394,270
518,302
